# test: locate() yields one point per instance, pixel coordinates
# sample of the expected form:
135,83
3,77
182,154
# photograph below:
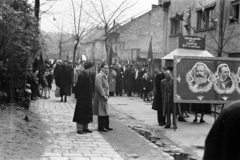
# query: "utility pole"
221,21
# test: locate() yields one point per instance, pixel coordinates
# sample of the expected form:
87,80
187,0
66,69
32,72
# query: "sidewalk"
66,144
189,136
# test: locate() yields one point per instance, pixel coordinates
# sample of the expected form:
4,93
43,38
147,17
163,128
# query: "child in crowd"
145,87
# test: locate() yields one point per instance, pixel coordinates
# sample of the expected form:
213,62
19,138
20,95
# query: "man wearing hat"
83,92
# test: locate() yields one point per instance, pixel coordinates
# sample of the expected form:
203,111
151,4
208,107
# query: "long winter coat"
100,106
83,92
167,94
157,102
129,78
112,80
64,80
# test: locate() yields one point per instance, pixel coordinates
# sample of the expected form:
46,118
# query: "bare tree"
81,24
108,18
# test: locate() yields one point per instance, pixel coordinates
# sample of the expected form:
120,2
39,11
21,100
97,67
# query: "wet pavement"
189,138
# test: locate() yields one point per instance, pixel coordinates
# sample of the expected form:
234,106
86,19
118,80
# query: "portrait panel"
206,80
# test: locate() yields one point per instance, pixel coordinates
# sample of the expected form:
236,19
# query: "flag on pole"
150,59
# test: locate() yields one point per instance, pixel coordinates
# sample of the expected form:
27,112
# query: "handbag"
57,92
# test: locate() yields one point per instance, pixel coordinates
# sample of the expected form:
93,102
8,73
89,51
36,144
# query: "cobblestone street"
66,144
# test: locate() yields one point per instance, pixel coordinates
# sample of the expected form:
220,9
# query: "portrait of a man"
238,81
224,82
199,78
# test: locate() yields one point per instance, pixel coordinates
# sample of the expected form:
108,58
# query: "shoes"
161,124
175,127
87,131
102,130
181,119
167,126
109,129
80,132
202,121
195,120
61,100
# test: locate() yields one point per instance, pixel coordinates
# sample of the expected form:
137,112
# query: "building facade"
216,20
131,40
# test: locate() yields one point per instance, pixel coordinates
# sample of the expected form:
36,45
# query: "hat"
87,65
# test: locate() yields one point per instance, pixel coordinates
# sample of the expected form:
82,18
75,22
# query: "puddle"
175,152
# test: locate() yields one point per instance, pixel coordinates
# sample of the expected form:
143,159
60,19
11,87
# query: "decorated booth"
188,46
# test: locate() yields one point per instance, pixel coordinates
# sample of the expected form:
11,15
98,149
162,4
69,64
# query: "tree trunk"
221,36
74,52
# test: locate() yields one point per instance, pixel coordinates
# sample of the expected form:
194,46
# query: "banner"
206,80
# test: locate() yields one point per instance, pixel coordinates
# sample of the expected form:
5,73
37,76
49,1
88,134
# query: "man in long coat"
157,102
167,97
83,91
64,81
119,80
101,98
129,80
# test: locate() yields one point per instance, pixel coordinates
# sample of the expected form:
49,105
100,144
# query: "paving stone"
51,154
92,155
59,158
79,158
100,158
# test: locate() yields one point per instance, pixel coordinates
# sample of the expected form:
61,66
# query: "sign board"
206,80
191,42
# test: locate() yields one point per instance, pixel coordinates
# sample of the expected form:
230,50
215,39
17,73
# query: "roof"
187,52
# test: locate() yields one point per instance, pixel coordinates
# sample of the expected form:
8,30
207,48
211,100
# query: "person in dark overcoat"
157,101
223,140
83,91
129,77
100,105
119,80
64,79
55,73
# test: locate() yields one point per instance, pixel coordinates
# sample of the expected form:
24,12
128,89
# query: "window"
205,19
234,17
175,27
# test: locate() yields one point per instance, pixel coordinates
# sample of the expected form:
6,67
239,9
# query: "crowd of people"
93,85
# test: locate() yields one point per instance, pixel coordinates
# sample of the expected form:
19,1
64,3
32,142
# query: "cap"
87,65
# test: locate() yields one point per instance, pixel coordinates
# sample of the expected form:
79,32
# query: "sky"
57,15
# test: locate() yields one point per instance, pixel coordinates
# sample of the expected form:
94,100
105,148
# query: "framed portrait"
206,80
